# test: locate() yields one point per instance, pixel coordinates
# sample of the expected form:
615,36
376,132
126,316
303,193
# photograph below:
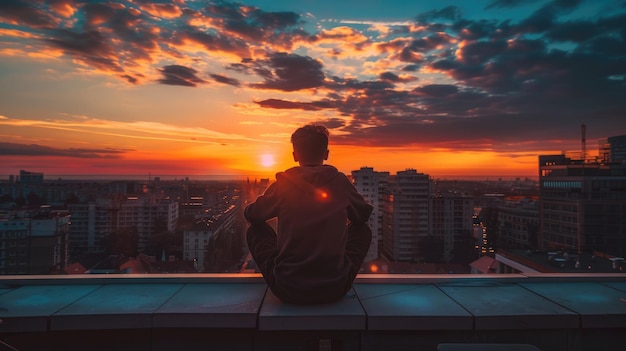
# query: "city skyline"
216,88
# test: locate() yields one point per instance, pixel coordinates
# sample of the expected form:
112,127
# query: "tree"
124,241
34,200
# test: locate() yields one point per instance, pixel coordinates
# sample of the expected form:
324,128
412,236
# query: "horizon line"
151,177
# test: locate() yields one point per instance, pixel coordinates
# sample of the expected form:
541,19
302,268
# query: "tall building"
518,224
452,221
407,216
372,185
583,202
148,215
30,177
92,223
612,150
34,242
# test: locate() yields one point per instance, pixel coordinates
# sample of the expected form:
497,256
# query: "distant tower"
583,132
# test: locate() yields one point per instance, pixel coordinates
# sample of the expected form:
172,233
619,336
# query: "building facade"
148,215
92,223
452,220
34,242
583,202
372,185
407,216
518,223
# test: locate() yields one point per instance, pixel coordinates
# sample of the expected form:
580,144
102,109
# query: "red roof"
75,268
485,264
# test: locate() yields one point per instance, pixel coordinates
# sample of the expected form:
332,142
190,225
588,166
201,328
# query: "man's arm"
264,207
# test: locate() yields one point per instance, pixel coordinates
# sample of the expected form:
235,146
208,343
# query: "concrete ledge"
28,308
599,305
411,307
154,313
215,305
346,314
498,306
128,306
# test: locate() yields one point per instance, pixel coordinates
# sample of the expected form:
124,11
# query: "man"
322,236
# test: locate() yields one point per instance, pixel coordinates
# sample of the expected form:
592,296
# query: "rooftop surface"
382,312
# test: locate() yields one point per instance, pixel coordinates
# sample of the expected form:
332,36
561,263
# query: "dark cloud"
508,3
578,31
255,24
411,68
214,42
565,4
91,47
130,79
437,90
24,12
447,13
389,76
284,104
289,72
332,123
179,75
14,149
220,78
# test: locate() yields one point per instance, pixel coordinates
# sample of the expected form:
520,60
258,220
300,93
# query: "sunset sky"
188,88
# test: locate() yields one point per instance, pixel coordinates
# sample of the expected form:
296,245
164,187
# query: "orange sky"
197,88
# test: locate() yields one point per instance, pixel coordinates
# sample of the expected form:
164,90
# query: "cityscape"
488,136
572,219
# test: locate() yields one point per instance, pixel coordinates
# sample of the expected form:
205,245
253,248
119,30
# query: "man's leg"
359,240
263,248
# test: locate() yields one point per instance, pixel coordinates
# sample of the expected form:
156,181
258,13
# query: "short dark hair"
310,142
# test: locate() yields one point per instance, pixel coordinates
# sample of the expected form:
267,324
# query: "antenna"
583,132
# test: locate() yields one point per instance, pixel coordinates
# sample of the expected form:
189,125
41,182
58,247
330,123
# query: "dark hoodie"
313,204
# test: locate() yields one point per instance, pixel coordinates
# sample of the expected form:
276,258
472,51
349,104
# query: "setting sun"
267,160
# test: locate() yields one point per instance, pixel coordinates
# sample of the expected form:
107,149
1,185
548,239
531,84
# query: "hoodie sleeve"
264,207
358,210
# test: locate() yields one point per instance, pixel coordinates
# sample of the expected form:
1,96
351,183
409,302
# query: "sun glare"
267,160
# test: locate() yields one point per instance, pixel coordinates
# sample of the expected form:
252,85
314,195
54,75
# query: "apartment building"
372,185
34,242
583,201
148,215
406,216
452,221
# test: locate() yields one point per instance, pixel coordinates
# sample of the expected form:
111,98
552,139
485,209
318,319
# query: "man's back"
322,232
313,206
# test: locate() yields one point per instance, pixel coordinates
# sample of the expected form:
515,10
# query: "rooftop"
237,312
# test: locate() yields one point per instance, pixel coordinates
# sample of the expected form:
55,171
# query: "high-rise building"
148,215
612,150
451,221
518,221
30,177
372,185
583,202
407,216
34,242
92,223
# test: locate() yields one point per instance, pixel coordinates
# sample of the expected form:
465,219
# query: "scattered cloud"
15,149
180,75
440,77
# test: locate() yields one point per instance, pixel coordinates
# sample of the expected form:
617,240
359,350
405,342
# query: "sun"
267,160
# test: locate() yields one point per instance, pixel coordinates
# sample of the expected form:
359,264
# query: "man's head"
310,145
